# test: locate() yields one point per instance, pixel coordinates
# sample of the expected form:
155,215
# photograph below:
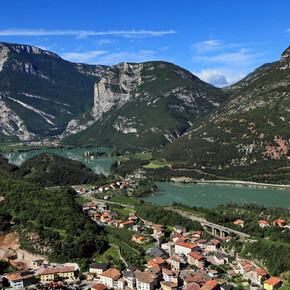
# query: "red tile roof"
128,223
56,270
99,287
272,281
186,245
14,277
211,283
263,222
111,273
196,256
261,272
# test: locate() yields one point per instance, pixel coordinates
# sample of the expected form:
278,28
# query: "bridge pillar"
223,234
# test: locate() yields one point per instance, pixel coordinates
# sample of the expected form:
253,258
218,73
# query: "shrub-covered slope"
48,169
146,105
248,136
40,92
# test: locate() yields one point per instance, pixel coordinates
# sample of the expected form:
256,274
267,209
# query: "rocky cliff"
144,105
40,92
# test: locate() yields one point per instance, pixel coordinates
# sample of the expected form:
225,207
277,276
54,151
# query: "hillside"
144,106
48,169
40,92
48,222
248,136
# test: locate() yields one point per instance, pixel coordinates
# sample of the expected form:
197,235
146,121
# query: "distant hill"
246,137
48,169
40,92
144,106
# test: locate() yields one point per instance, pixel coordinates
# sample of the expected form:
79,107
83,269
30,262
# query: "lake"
98,165
206,195
190,194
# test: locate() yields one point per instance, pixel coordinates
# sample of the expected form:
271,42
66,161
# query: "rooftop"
56,270
272,281
186,245
111,273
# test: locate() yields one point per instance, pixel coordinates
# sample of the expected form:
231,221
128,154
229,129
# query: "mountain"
48,169
143,105
249,135
40,92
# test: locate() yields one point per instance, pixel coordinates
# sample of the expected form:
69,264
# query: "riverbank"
245,183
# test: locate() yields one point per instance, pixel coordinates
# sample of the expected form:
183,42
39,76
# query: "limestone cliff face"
41,92
152,99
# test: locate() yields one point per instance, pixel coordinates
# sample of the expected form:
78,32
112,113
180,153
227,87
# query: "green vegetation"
61,88
241,139
275,258
251,214
5,267
154,110
48,169
63,231
156,164
159,215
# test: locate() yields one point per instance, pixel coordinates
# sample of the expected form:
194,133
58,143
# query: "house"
158,230
129,277
104,216
196,259
137,228
159,261
240,223
197,234
192,286
110,278
117,223
97,216
168,247
99,287
201,243
221,258
170,275
98,268
210,285
179,229
185,248
139,239
212,245
176,237
127,224
144,281
113,215
90,206
121,283
158,252
279,223
15,280
175,263
167,285
263,224
260,274
106,197
49,274
102,207
37,263
107,220
272,283
191,279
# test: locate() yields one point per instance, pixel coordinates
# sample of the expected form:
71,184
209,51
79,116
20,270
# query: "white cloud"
104,41
288,30
219,78
124,56
84,33
208,45
85,57
241,58
109,58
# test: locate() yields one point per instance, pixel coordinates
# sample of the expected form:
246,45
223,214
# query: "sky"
220,41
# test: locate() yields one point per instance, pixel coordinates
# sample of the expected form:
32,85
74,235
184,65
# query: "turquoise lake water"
189,194
212,195
98,165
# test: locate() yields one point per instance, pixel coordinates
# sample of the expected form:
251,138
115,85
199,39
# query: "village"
175,257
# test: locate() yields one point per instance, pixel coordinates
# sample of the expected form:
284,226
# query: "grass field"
156,164
125,200
143,156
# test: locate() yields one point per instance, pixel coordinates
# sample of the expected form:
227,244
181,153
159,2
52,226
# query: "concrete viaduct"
214,228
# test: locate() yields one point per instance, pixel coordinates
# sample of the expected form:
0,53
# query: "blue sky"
220,41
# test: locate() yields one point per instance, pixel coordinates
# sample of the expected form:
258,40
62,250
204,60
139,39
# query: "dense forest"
63,231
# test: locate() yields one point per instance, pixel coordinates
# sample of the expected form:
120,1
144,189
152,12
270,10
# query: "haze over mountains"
146,106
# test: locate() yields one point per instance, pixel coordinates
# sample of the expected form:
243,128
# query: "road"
205,223
89,195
